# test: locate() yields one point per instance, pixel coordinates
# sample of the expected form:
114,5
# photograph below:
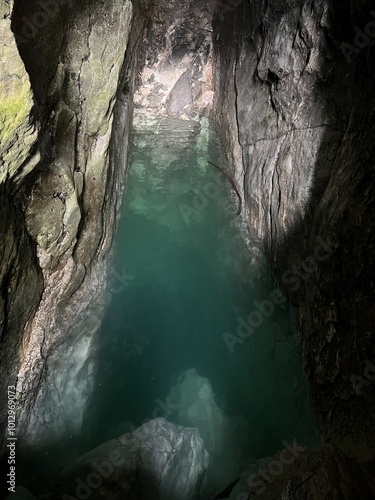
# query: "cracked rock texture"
298,120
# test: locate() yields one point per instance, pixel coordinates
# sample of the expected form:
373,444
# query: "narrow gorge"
187,249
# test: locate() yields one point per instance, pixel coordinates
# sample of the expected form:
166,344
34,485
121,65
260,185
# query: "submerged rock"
224,436
159,460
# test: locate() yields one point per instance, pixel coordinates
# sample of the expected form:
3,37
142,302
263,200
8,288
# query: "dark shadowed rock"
297,117
322,473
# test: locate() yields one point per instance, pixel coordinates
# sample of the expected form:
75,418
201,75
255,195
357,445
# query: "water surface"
183,276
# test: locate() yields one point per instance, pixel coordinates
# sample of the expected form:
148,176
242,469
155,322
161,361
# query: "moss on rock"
17,134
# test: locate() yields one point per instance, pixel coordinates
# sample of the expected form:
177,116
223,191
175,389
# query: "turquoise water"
183,275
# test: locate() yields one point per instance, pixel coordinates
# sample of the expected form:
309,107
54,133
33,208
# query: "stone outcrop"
20,276
159,460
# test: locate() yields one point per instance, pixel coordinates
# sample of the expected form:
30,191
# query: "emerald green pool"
184,277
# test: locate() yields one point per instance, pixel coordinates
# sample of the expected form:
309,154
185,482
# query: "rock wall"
68,184
176,77
20,276
294,103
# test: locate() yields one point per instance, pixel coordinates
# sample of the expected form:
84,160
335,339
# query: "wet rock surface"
69,214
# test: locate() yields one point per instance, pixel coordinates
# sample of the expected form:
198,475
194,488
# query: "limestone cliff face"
295,106
77,77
